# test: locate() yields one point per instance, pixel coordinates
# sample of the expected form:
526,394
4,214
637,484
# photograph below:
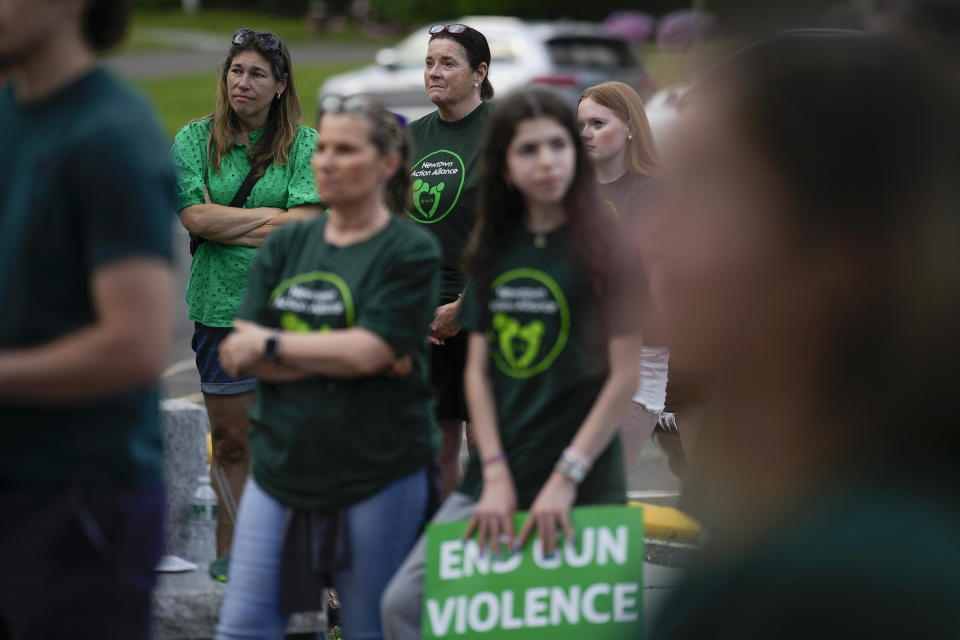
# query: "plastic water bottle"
203,523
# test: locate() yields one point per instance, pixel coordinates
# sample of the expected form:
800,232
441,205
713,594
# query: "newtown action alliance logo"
438,179
314,301
530,322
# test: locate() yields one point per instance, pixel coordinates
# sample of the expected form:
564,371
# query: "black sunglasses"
243,37
437,29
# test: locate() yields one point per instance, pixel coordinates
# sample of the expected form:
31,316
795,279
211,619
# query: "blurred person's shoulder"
412,240
104,104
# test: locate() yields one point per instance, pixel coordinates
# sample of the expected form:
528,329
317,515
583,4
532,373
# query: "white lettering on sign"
600,545
450,560
535,607
590,612
479,602
600,603
625,602
613,547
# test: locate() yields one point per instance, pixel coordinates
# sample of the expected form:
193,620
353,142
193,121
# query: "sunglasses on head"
355,105
335,103
437,29
243,37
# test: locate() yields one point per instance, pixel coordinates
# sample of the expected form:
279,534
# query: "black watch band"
271,350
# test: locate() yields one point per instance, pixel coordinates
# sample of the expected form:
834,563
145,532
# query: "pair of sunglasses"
243,37
437,29
355,105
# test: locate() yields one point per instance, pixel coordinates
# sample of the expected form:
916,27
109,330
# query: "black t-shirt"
444,175
84,181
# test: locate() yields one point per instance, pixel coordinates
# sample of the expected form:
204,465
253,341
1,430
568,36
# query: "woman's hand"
493,517
243,348
401,367
444,323
551,511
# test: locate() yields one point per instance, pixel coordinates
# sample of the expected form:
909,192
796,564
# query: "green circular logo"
314,301
438,179
530,322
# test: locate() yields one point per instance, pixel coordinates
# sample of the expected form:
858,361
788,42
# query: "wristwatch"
572,467
271,349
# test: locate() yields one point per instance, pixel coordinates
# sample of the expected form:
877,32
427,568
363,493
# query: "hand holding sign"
493,517
550,511
592,588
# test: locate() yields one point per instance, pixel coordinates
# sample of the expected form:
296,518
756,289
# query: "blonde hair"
282,121
641,151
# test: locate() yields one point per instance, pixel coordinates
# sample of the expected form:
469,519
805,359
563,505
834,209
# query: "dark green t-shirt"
875,560
444,175
84,181
548,362
323,443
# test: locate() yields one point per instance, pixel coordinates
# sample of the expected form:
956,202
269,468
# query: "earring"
630,137
278,96
476,84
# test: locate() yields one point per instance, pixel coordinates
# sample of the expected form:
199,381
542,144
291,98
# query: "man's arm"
125,348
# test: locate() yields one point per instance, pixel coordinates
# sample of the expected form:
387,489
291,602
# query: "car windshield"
594,53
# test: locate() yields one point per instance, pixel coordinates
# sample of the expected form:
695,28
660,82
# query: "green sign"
591,587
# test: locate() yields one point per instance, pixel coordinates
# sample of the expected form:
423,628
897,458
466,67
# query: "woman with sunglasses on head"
444,172
616,134
334,325
242,172
554,340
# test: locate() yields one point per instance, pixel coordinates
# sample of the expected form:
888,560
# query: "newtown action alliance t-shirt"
321,442
444,176
548,361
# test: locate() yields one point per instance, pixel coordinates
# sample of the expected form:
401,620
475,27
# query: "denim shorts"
213,379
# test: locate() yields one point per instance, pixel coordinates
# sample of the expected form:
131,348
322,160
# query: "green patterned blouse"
218,273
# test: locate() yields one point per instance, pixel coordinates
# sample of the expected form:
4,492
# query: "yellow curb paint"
667,523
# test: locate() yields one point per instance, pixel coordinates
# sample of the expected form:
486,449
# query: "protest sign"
591,587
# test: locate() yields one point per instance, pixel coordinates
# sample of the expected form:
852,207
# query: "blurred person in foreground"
86,211
243,171
813,256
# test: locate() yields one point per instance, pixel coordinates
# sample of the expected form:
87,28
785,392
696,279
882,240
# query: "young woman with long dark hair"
554,340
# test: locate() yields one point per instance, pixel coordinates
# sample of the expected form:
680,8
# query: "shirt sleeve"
189,156
401,308
123,190
627,295
301,189
471,312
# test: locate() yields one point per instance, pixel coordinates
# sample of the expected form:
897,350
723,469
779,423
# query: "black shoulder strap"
239,199
246,187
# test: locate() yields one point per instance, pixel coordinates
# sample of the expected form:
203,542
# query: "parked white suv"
565,56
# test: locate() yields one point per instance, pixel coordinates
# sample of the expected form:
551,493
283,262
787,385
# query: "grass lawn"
147,27
183,98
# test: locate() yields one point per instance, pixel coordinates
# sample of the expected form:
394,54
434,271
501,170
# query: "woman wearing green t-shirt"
553,344
334,325
254,129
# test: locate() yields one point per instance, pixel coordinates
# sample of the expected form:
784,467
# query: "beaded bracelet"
497,457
